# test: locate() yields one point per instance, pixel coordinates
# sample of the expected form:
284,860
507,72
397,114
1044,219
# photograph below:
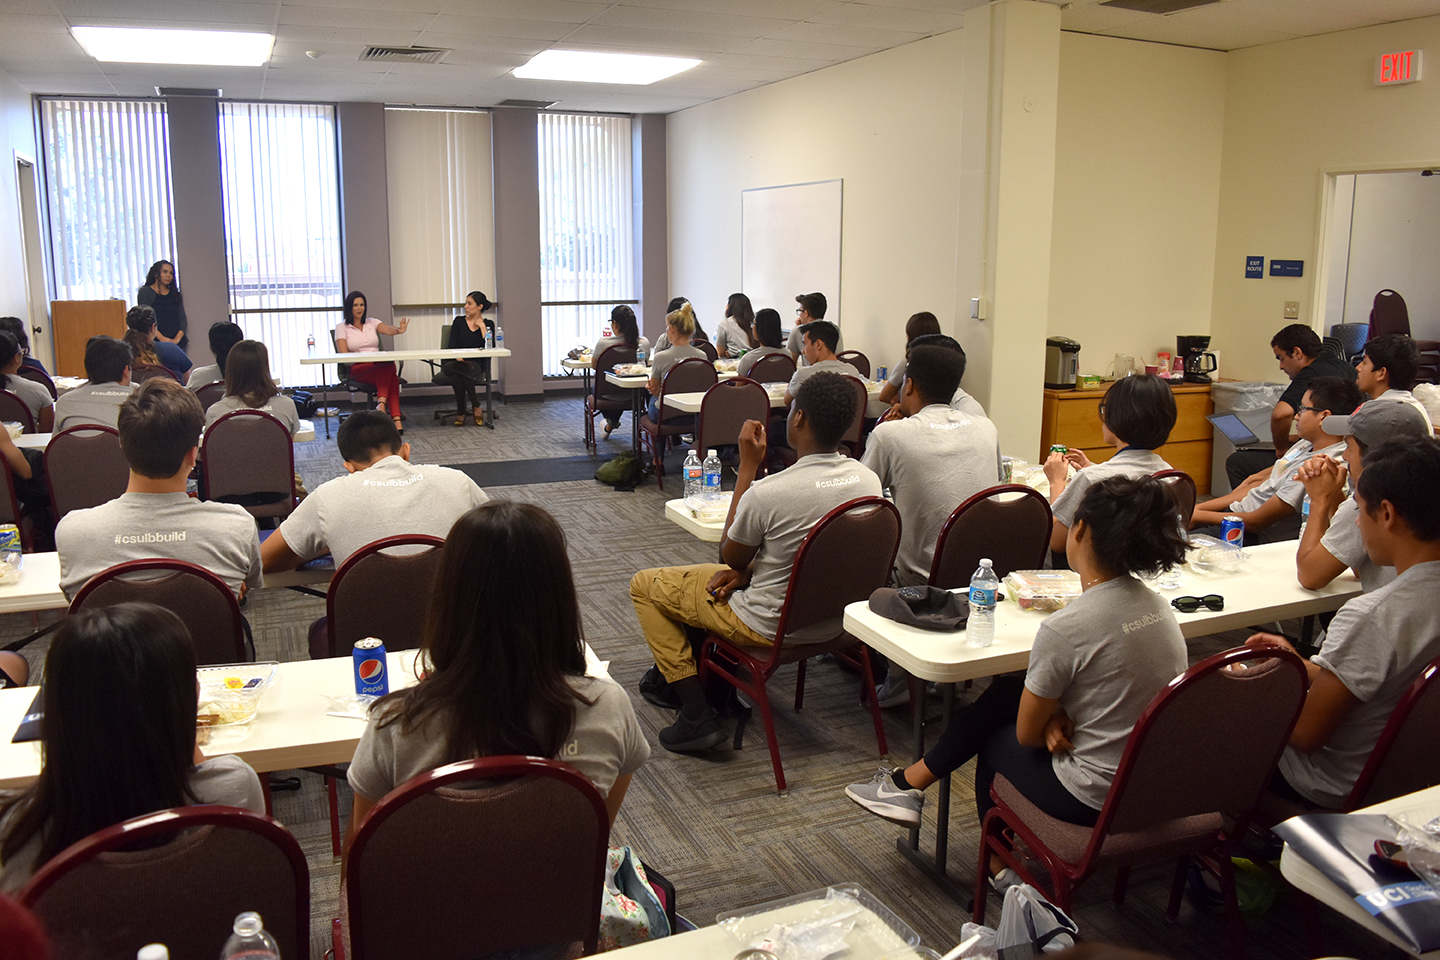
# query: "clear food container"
1042,590
230,694
844,921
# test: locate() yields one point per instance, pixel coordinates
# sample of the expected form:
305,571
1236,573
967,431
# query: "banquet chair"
40,377
140,372
84,467
1008,523
692,375
211,394
11,512
203,602
851,443
773,368
844,558
857,360
604,396
497,854
1389,314
1197,760
726,407
1181,487
707,348
371,392
178,877
249,460
13,409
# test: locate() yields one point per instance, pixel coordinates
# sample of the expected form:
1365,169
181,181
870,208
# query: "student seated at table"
249,386
381,495
932,459
812,307
118,739
155,518
1058,732
143,336
960,401
733,336
625,332
223,336
27,472
36,398
16,328
1331,540
1378,642
1389,370
664,344
765,340
508,674
1136,416
821,339
1270,501
920,324
107,365
741,598
679,328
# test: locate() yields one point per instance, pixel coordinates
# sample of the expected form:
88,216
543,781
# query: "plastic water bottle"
640,354
980,627
1304,514
711,473
250,941
310,345
153,951
499,337
694,476
489,337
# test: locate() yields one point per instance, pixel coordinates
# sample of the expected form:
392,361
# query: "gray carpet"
714,824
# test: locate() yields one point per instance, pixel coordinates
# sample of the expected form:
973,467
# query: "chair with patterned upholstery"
249,459
203,602
84,467
1008,523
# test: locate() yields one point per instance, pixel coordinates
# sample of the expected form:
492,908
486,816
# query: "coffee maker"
1198,362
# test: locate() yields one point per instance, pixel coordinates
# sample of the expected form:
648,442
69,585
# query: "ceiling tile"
445,25
851,39
558,11
823,53
399,6
689,21
788,10
366,19
1225,36
891,18
666,42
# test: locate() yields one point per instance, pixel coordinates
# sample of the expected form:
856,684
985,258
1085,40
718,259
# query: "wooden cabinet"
74,322
1072,417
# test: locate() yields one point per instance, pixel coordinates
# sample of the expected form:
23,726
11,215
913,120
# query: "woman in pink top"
359,334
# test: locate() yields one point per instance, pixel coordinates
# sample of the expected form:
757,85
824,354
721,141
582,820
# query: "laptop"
1233,428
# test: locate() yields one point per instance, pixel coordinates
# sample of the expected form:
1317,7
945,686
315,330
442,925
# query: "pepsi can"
1232,531
370,678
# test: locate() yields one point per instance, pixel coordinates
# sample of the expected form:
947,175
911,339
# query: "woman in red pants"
359,334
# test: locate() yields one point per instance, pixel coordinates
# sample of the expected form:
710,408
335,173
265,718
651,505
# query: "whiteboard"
790,244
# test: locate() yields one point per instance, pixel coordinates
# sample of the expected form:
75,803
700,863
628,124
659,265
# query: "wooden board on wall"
790,244
74,322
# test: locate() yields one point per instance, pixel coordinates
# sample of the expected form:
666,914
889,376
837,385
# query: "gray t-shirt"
932,462
605,343
220,537
1130,462
1342,540
200,376
961,402
1104,657
91,403
730,338
775,514
753,357
1282,482
225,779
389,498
33,395
280,407
796,342
1376,646
824,366
662,362
605,744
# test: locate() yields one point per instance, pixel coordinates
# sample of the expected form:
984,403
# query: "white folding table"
394,356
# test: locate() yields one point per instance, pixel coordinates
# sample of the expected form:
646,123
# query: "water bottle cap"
248,924
987,562
711,453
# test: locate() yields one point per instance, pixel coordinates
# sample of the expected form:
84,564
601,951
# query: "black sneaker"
655,689
687,736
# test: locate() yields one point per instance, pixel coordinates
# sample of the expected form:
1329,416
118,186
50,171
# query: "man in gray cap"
1331,539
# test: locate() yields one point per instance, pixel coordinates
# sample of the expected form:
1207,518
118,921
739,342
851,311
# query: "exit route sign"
1396,68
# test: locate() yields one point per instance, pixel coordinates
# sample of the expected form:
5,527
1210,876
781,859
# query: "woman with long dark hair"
624,331
507,671
35,397
467,332
143,335
358,333
732,337
766,338
118,738
249,386
161,292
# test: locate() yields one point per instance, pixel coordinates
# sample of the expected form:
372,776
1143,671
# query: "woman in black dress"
162,293
468,332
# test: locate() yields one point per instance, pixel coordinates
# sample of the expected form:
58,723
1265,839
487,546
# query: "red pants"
386,380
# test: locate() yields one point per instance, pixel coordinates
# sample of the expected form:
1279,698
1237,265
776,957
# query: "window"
107,180
282,228
586,234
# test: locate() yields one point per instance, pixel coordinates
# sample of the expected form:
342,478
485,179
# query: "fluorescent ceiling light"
224,48
591,67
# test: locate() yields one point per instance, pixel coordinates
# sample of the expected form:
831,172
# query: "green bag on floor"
623,472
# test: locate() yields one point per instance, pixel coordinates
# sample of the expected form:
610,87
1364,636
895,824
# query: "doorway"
37,300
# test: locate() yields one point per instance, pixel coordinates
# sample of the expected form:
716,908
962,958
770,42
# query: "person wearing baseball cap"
1331,540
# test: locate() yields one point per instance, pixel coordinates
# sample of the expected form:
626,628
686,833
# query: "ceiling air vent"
187,92
1157,6
532,104
405,54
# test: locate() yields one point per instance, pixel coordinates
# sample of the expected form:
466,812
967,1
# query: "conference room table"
39,441
396,356
1263,590
690,402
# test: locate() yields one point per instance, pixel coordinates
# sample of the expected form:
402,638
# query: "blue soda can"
1232,530
882,374
370,678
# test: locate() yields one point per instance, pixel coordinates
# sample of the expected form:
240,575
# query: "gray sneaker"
895,691
881,797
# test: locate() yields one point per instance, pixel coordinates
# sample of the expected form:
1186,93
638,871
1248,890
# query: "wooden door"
74,322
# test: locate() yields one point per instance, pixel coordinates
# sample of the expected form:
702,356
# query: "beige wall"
17,134
1137,183
1295,112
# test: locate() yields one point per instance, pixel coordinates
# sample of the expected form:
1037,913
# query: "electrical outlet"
1292,309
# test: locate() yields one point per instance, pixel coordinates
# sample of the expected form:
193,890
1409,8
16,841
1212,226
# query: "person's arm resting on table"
1270,512
276,555
1324,481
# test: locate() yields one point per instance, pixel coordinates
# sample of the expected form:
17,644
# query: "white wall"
1393,239
17,133
1137,184
889,126
1295,112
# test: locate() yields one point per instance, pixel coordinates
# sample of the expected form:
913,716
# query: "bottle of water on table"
250,941
640,354
694,476
711,473
980,627
310,345
499,337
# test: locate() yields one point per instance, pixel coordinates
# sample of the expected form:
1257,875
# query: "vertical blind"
586,227
282,228
441,201
107,181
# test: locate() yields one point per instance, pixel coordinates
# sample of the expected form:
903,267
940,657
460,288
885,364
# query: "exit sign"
1394,68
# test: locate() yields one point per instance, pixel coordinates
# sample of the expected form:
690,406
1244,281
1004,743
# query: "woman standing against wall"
162,294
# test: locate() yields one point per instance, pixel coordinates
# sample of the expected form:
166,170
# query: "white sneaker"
1004,880
881,797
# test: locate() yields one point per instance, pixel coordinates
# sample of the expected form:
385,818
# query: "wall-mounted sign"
1395,68
1254,268
1287,268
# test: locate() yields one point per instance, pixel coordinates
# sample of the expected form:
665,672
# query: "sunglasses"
1211,601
